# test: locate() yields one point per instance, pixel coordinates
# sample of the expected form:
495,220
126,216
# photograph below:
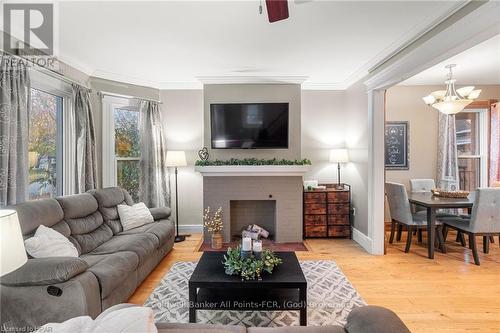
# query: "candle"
257,246
246,244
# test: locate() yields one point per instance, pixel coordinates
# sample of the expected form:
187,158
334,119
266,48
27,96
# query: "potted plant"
213,224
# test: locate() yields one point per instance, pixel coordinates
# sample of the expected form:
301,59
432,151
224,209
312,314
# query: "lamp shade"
339,156
12,254
176,158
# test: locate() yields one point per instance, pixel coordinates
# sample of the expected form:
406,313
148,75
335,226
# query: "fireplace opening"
248,212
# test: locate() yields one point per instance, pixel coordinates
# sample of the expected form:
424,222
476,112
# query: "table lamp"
176,158
338,156
12,254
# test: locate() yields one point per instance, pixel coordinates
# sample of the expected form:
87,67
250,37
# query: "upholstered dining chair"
425,186
421,186
401,214
484,220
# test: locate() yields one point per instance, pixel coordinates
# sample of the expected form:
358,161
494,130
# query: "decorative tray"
450,194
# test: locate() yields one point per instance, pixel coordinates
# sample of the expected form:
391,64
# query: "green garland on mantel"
252,161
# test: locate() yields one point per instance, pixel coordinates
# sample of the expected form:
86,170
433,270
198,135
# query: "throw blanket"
121,318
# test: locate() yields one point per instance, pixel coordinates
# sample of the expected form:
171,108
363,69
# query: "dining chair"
401,214
484,220
425,186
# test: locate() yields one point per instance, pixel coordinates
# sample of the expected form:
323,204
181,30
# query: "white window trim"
483,145
51,85
109,162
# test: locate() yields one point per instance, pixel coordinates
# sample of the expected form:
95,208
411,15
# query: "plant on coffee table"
250,268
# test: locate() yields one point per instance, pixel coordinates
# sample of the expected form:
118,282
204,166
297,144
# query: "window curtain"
154,186
495,146
86,164
14,110
447,168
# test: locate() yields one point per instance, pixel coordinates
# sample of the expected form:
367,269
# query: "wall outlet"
353,211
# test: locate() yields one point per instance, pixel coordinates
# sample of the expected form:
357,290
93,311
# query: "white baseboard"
190,229
363,240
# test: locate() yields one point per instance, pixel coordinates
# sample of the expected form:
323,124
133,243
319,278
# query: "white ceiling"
328,44
477,65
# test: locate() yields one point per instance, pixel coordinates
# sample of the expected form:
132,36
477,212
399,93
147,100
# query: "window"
471,138
50,133
44,145
122,143
127,151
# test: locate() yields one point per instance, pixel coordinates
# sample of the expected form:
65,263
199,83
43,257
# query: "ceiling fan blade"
277,10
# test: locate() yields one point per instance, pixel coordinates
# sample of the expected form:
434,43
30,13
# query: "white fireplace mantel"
253,170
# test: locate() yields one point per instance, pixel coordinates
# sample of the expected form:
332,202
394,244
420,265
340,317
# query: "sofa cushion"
78,205
298,329
34,213
162,229
144,245
111,269
375,319
198,328
44,271
88,230
108,199
160,213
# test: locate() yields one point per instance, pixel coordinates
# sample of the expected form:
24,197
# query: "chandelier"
451,101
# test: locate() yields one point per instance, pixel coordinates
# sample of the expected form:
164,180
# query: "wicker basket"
450,194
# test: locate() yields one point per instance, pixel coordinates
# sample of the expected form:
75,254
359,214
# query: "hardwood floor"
447,294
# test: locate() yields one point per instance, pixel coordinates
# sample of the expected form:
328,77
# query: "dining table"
432,203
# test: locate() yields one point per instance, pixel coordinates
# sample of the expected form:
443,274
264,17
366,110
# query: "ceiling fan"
277,10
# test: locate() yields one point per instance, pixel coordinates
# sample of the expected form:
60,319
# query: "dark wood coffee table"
211,289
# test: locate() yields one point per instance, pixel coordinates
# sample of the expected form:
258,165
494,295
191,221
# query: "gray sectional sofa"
110,266
111,263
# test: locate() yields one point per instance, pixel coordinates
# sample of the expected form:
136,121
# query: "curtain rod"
44,70
103,93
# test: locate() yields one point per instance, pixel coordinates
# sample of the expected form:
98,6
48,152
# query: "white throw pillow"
134,216
48,243
128,320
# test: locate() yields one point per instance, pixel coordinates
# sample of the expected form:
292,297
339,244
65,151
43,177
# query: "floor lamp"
177,159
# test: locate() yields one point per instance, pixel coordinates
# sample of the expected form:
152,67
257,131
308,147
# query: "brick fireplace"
248,196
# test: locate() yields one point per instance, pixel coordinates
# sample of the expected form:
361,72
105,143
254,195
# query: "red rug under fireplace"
267,244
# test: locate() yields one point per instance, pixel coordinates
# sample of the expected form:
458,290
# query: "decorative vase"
217,241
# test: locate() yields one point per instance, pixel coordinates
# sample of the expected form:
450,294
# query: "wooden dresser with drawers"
327,212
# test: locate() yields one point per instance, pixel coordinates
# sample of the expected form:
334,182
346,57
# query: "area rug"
330,299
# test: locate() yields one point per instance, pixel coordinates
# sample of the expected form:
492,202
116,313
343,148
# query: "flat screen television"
249,126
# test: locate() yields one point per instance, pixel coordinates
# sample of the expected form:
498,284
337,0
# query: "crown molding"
312,85
256,79
180,85
75,64
124,79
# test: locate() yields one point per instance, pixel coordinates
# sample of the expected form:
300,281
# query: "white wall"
256,93
182,114
329,119
337,119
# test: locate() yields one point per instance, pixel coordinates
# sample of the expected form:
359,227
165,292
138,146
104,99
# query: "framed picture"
397,155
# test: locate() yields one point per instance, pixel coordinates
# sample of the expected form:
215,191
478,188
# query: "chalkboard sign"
396,145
